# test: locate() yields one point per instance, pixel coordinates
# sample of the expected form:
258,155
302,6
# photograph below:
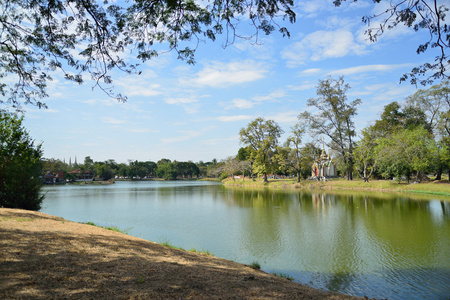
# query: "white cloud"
303,87
186,135
218,142
188,103
272,96
180,100
234,118
367,69
285,117
142,130
321,45
109,120
309,72
106,102
135,85
223,75
241,104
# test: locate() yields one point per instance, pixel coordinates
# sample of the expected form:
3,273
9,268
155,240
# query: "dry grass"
45,257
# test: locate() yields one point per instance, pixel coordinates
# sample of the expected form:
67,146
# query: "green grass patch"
284,275
112,228
255,265
168,244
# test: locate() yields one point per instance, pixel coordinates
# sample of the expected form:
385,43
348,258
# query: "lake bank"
440,188
49,257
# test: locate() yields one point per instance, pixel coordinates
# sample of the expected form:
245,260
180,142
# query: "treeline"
164,168
409,140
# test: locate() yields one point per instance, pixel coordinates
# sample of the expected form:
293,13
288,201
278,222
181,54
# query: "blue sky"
194,112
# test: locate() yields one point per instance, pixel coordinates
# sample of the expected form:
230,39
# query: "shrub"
20,165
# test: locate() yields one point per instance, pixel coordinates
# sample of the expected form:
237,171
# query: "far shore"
437,188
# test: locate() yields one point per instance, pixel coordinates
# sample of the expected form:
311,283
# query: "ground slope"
45,257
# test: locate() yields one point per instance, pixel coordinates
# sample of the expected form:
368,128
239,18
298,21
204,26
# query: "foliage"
420,15
435,103
406,151
187,169
293,159
89,37
105,172
334,118
364,154
20,165
166,170
262,136
232,166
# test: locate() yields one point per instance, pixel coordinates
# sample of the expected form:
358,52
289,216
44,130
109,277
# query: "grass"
168,244
284,275
431,188
255,265
18,219
112,228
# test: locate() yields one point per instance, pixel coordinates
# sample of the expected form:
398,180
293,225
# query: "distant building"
82,175
49,178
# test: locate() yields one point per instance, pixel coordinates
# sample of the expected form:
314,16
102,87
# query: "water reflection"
380,245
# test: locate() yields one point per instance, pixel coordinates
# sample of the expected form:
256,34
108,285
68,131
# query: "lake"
363,244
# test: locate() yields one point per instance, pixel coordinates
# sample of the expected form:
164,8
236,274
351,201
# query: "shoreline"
433,188
44,256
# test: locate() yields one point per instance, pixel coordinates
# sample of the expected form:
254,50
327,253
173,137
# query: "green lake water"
375,245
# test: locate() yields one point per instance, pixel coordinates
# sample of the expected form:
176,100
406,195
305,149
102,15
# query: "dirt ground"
46,257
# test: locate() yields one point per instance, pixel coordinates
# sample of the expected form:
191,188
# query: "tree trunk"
439,173
298,176
265,177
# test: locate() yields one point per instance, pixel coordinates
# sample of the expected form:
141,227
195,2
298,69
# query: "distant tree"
365,154
420,15
20,165
89,165
122,170
289,157
232,166
409,150
435,103
53,165
166,169
262,136
105,172
334,118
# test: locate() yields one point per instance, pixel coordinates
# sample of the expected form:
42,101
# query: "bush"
223,176
20,165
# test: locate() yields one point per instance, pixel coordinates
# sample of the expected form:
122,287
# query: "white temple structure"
323,166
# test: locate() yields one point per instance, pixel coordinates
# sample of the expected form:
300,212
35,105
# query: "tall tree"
365,158
291,157
435,103
262,136
20,165
334,118
87,37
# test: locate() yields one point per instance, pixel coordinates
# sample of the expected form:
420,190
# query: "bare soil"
46,257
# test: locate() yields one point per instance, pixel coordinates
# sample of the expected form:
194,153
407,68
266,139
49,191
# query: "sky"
195,112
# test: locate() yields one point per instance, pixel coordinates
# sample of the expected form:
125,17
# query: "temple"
323,167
